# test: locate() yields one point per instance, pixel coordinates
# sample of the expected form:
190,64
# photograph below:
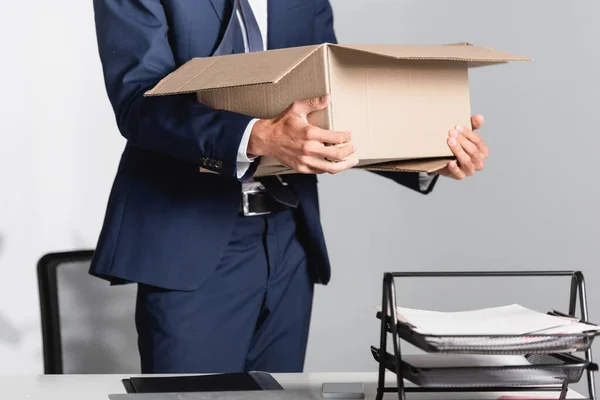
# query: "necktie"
275,187
255,40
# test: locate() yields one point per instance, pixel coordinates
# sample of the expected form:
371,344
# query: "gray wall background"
534,207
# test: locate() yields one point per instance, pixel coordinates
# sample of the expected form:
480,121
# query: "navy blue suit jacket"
166,224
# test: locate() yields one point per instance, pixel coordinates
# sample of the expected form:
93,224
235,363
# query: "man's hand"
469,149
297,144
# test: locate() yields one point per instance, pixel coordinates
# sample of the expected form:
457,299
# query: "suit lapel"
223,11
219,6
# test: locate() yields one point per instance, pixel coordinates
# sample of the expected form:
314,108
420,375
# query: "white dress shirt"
260,9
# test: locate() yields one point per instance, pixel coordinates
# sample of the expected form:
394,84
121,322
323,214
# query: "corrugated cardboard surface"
397,109
232,70
399,102
456,52
431,165
266,170
307,80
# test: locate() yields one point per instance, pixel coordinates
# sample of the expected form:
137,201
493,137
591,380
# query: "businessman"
225,263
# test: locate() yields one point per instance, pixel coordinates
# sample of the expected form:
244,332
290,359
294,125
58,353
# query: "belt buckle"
246,203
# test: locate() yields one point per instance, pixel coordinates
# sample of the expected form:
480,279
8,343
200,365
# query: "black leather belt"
259,202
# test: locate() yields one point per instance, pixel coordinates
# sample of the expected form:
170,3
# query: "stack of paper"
478,371
505,329
505,320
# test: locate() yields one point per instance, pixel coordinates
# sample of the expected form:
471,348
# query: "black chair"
88,326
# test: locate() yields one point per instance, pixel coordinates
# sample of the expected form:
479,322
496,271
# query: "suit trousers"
252,313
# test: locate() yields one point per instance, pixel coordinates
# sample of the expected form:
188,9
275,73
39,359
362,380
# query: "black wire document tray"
496,344
489,360
529,370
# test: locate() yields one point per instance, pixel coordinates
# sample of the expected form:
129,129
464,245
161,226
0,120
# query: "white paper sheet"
504,320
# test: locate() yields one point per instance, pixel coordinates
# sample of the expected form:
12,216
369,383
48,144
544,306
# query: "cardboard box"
399,102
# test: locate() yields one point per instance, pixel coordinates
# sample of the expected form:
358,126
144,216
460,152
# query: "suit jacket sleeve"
325,32
135,54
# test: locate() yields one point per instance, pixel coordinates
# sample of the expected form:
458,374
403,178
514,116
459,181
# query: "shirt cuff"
425,181
243,161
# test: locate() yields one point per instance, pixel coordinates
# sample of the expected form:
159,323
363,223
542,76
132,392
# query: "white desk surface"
98,387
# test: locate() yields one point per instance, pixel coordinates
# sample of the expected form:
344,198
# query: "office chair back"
88,326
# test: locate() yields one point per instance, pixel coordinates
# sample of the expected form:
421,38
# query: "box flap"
467,52
426,165
273,170
232,70
429,165
419,165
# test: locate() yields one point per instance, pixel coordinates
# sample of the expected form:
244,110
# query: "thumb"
306,107
477,122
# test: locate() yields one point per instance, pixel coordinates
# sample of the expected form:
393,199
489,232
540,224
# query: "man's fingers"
333,153
303,108
477,122
473,151
332,167
455,171
467,145
466,165
327,137
475,139
469,149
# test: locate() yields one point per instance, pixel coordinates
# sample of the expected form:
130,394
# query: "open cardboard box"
398,101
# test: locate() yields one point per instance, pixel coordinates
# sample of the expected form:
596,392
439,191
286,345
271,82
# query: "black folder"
243,381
